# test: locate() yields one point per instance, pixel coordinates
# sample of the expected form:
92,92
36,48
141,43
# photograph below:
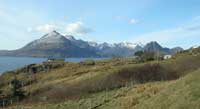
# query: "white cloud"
119,18
43,28
133,21
29,29
196,18
182,34
77,28
127,19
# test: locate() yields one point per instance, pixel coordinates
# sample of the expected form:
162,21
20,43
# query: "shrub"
135,74
123,77
17,92
148,56
88,62
146,73
139,53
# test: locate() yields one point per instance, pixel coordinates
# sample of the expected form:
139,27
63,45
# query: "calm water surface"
12,63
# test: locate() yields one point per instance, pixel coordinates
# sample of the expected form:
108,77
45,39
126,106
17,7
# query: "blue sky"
170,22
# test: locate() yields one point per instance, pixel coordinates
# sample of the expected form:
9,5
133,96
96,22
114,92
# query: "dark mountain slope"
54,44
51,45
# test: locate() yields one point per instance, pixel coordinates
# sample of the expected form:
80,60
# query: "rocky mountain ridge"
54,44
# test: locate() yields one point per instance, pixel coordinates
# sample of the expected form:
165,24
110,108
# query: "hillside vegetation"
120,83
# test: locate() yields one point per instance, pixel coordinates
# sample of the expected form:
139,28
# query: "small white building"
167,56
55,59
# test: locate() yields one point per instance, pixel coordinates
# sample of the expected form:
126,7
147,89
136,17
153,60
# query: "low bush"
88,62
120,78
146,73
148,56
135,74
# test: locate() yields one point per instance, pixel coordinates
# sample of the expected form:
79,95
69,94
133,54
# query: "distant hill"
155,47
54,44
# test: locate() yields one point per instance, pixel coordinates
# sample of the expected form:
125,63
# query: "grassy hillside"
177,94
182,94
119,83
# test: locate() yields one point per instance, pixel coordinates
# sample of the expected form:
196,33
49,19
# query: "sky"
170,22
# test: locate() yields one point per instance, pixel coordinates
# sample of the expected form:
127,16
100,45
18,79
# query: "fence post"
90,103
3,103
17,101
11,102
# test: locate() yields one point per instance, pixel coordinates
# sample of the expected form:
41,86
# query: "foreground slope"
115,83
182,94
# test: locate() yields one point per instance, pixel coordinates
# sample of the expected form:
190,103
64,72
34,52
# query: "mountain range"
54,44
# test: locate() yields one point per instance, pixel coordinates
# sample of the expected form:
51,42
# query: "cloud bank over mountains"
76,28
141,21
189,31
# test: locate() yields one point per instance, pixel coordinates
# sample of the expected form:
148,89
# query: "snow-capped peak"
70,37
194,47
52,37
105,45
93,44
52,34
129,44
